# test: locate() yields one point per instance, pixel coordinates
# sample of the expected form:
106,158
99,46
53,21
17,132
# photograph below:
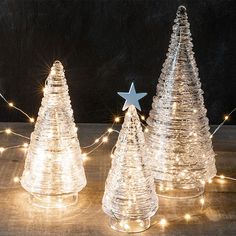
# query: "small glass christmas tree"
54,172
130,199
178,142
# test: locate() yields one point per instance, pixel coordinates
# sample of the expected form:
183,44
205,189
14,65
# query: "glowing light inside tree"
178,140
54,172
130,199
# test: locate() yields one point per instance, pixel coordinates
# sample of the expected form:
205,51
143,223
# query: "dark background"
104,46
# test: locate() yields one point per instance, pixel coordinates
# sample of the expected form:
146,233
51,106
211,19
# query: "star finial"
131,98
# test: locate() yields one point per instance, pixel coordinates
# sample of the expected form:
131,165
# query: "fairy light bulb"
178,127
117,119
163,222
187,217
16,179
222,176
96,140
112,156
128,113
142,117
2,149
109,130
31,120
51,183
11,104
25,145
8,131
85,157
105,139
53,72
226,117
202,201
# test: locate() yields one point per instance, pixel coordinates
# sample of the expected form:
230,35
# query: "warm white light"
211,136
84,157
54,138
8,131
43,89
31,120
117,119
96,140
110,130
128,113
53,72
187,217
128,161
112,156
126,226
142,117
202,201
222,176
2,149
210,181
25,145
105,139
146,130
16,179
177,134
226,117
10,104
163,222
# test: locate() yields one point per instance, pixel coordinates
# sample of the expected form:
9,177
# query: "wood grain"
18,217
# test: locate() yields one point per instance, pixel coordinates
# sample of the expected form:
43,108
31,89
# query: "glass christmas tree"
54,172
178,142
130,199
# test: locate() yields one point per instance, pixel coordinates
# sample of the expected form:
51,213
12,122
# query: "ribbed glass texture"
54,162
178,143
130,190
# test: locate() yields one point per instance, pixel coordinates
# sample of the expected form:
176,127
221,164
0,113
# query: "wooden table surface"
18,217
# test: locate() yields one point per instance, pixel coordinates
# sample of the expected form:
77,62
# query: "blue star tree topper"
132,98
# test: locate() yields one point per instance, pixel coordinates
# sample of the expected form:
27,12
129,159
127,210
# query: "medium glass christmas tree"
54,172
130,199
178,142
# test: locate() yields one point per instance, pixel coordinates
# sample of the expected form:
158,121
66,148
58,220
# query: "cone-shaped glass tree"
178,142
54,172
130,199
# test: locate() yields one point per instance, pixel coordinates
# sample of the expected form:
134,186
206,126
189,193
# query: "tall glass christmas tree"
54,172
130,198
178,142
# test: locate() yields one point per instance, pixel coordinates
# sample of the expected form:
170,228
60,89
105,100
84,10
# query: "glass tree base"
57,201
129,226
169,190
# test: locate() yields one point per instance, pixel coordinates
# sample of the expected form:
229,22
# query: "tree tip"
182,9
57,64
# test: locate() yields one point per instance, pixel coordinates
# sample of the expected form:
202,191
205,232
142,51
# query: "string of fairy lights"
99,141
103,138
